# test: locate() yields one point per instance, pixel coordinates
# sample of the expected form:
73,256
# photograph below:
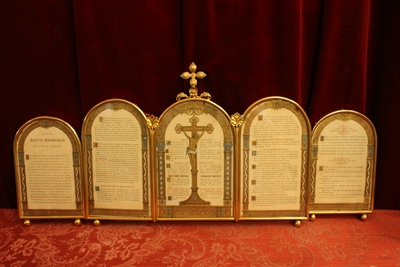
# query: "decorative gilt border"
250,114
19,159
195,106
367,205
127,214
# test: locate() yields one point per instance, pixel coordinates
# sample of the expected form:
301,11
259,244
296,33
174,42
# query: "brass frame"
21,176
195,106
368,204
234,137
274,102
146,129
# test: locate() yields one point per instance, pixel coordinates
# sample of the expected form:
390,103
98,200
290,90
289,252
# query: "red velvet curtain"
60,58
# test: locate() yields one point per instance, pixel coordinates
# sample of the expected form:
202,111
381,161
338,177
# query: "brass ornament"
181,96
115,106
237,120
193,82
343,117
205,95
297,223
152,122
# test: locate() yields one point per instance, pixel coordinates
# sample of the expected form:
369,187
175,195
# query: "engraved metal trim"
145,124
185,211
19,142
275,103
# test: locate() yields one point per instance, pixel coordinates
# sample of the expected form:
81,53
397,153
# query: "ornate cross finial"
193,75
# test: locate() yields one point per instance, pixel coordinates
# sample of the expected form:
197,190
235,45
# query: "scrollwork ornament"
46,124
205,95
178,128
194,109
181,96
236,120
276,105
152,122
114,106
344,117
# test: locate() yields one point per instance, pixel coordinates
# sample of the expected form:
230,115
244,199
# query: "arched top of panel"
195,107
344,116
114,104
46,122
274,139
276,103
47,159
116,144
343,164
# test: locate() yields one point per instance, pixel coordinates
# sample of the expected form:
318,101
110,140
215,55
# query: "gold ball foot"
364,217
297,223
27,223
77,222
96,223
313,217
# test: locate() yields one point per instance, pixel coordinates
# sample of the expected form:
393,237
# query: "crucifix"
193,134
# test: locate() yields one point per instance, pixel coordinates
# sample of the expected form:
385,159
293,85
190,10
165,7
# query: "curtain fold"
129,50
62,58
340,80
266,47
38,74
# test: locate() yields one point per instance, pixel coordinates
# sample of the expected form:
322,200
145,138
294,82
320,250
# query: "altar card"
274,161
194,155
116,161
47,157
343,160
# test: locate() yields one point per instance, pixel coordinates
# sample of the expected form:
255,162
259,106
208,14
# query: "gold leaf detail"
236,120
152,122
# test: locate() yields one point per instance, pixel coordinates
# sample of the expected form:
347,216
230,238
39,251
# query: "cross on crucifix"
196,132
193,75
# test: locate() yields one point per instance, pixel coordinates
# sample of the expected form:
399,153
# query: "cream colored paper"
275,161
210,162
342,159
116,142
49,169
